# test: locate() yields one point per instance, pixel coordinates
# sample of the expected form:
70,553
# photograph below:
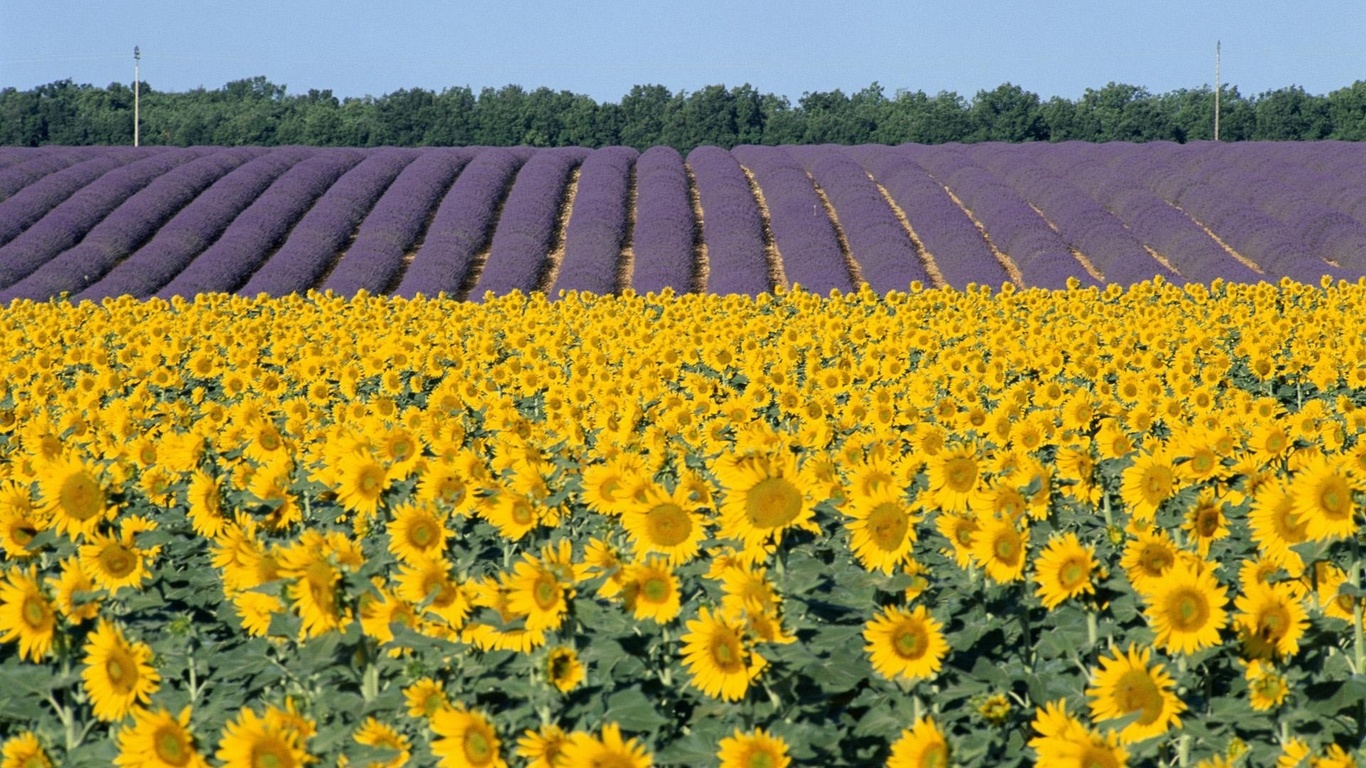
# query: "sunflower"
955,476
429,582
1295,753
1205,522
417,532
882,527
24,750
252,741
1321,495
902,643
651,590
465,740
1276,527
75,592
1185,607
1149,481
1266,688
1126,684
312,586
716,654
585,751
362,480
380,610
206,505
425,698
563,668
755,749
19,525
1148,557
114,563
1271,619
441,483
158,740
536,590
542,748
920,746
117,674
513,514
1064,570
665,523
73,494
960,530
373,733
1000,546
26,614
764,496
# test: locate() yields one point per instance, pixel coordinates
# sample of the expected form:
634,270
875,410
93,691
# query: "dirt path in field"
555,255
701,260
1012,269
626,261
855,271
1245,261
1086,264
776,275
481,257
926,258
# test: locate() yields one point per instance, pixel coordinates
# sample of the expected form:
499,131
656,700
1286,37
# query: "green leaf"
633,711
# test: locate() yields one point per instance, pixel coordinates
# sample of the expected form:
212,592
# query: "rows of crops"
1074,528
97,222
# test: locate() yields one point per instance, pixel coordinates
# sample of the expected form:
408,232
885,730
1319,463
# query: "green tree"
1290,114
1347,112
1007,113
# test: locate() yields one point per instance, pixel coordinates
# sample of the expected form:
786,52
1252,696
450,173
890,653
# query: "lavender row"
802,231
23,169
522,240
877,241
949,237
262,227
127,227
65,225
462,226
36,200
596,231
400,217
194,228
732,226
323,232
665,231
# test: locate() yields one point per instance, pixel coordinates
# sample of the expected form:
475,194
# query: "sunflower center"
760,759
170,746
1157,483
887,525
1207,522
725,652
773,502
960,473
522,513
1094,756
451,490
118,561
655,589
81,497
478,748
23,533
964,533
1073,574
1135,692
1202,461
121,671
1291,528
559,667
1274,623
1156,560
271,754
1006,547
445,593
422,534
668,524
1188,610
370,480
910,642
546,593
36,612
1335,499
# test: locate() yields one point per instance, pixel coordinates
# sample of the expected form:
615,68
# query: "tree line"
256,111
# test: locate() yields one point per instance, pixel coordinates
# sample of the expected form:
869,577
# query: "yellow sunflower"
1271,619
465,740
1205,522
76,594
755,749
1276,527
609,749
19,525
1064,570
1266,688
960,530
1185,607
1128,683
158,740
665,523
921,746
118,674
26,614
716,654
24,750
513,514
881,527
417,532
115,562
1001,548
563,668
1147,483
1321,495
312,587
544,747
362,481
956,478
651,590
904,643
429,581
252,741
373,733
764,496
74,495
1147,557
425,698
206,505
537,591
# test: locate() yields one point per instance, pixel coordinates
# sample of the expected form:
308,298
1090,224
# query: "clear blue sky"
603,47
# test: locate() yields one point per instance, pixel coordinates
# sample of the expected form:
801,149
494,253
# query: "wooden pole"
137,79
1217,88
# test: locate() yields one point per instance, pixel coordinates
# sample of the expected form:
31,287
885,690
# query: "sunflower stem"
1092,628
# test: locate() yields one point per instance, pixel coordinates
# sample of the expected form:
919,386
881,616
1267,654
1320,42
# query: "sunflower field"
1083,527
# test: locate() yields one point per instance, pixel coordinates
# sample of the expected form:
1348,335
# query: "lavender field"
91,223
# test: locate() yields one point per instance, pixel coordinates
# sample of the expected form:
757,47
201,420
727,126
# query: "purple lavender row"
26,168
1018,231
36,200
194,228
322,233
398,220
732,226
1080,220
254,235
596,231
127,227
946,232
802,231
879,244
65,225
521,241
664,232
462,226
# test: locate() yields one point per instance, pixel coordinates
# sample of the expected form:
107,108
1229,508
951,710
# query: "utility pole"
1217,88
137,77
